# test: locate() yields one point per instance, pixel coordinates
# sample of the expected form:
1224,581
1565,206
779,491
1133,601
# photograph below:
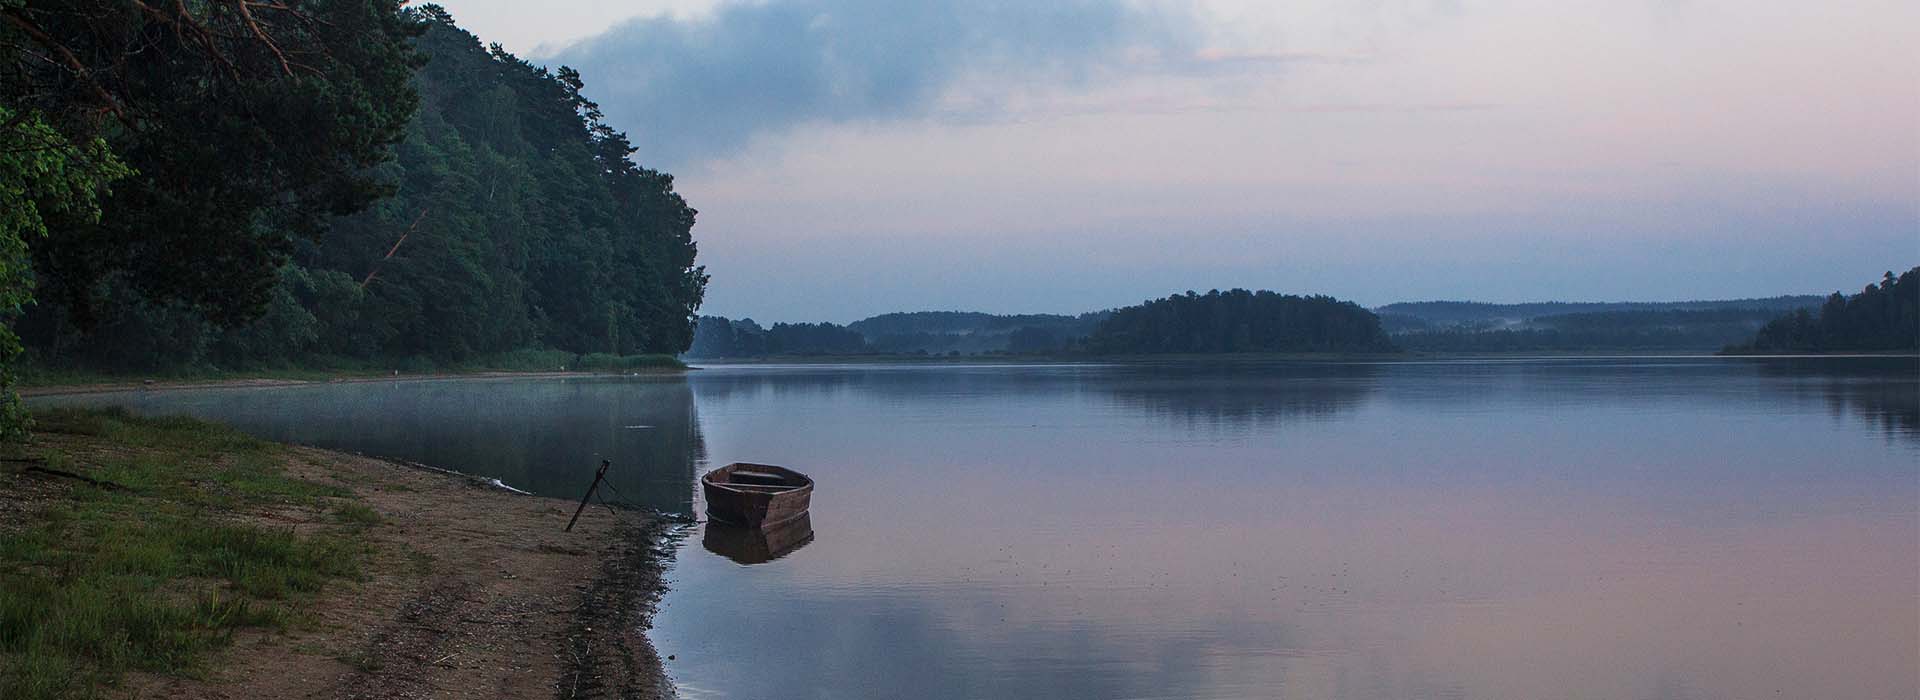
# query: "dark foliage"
1029,340
814,339
1603,330
1411,315
1882,317
247,126
969,322
911,333
514,220
1240,321
525,223
715,336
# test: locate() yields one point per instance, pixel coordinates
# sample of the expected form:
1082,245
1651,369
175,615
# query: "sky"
854,157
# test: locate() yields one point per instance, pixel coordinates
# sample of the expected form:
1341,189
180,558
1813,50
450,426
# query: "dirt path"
473,592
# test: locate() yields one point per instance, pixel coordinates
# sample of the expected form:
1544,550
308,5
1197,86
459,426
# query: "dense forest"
343,183
1882,317
1240,321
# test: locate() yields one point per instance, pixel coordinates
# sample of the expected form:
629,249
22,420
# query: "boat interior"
758,478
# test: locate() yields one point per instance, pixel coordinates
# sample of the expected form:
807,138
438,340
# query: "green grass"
356,514
603,362
158,574
526,361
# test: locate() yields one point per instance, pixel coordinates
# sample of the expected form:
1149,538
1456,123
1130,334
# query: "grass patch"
155,575
356,514
527,361
603,362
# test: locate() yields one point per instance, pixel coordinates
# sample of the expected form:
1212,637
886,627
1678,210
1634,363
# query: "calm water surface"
1660,528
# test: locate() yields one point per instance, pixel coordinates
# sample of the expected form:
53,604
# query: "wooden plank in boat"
742,476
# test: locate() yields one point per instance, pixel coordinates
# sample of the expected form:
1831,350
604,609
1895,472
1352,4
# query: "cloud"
688,89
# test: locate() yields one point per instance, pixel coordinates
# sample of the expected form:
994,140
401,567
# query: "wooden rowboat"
756,495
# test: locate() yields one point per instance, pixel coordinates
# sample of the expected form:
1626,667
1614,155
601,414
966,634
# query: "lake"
1660,528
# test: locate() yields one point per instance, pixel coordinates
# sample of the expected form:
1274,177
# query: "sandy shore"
475,592
468,591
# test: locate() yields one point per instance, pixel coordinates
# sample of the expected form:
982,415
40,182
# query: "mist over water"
1647,527
545,437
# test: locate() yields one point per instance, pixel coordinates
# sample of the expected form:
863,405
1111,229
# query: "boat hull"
755,507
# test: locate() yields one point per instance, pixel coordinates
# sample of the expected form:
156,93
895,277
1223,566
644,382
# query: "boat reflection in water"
748,545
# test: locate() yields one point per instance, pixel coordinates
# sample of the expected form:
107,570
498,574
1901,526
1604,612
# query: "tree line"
1233,321
1239,320
720,337
1882,317
240,184
1441,315
1677,330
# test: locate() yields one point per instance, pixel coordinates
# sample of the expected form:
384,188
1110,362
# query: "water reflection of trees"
544,436
1238,396
1882,392
1217,395
911,381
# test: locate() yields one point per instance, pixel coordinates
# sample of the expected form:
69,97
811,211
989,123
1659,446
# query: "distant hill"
967,322
1461,326
1240,321
1691,331
1472,312
903,333
1168,325
972,332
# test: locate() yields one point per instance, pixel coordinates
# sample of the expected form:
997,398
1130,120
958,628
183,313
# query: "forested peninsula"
1882,317
349,184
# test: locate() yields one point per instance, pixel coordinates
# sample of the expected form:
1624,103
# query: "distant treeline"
1232,321
488,211
1244,321
1602,330
1883,317
1240,321
1441,315
714,336
946,332
914,333
1880,318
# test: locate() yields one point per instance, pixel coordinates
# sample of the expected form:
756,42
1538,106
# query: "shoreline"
696,364
1247,358
131,384
457,588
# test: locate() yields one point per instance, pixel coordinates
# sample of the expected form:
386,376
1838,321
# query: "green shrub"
603,362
